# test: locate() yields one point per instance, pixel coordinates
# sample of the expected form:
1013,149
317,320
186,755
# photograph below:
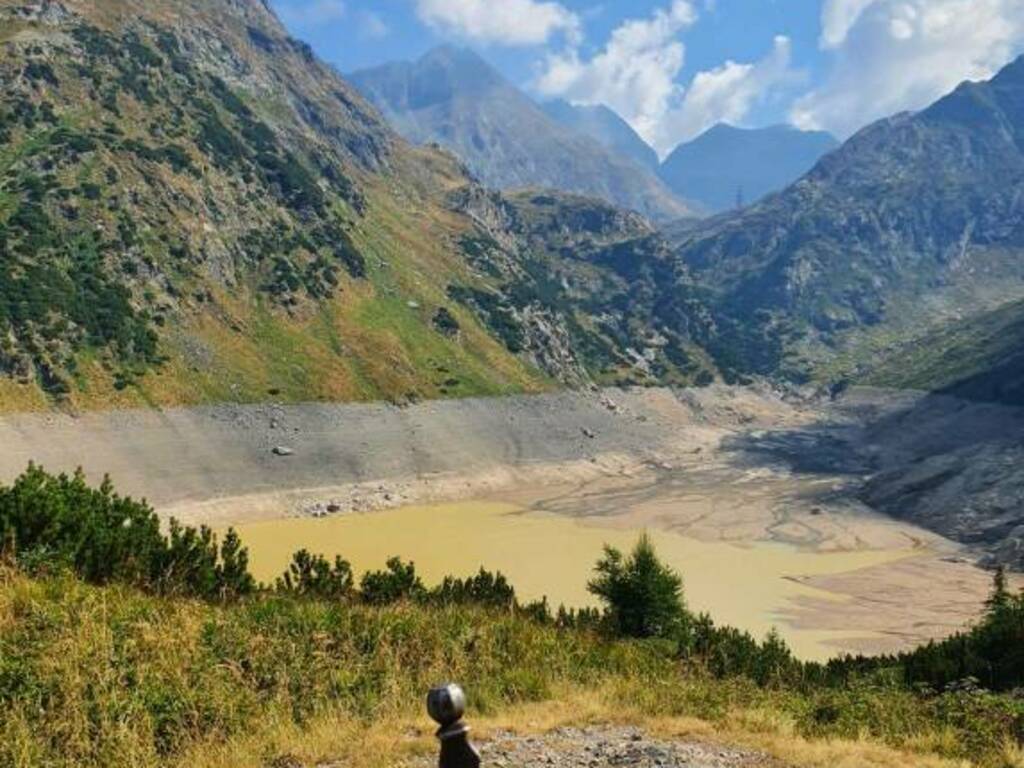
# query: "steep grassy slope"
194,209
187,193
916,219
981,358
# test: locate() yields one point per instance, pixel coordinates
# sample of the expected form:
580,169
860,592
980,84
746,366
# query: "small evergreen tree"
51,522
486,588
642,596
234,579
999,600
313,576
398,582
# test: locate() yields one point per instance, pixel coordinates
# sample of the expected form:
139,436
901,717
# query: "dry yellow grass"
394,738
99,677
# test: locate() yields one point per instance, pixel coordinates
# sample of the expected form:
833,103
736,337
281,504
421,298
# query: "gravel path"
612,747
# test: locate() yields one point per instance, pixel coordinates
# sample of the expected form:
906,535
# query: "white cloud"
310,13
503,22
372,26
837,18
895,55
726,94
637,75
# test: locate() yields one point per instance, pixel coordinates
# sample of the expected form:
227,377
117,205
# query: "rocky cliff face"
453,97
917,217
592,293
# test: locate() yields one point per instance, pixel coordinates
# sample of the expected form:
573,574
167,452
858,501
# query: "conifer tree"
642,596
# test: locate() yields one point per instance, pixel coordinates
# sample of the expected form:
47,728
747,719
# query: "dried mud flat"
747,466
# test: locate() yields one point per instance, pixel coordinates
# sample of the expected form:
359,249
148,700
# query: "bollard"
446,704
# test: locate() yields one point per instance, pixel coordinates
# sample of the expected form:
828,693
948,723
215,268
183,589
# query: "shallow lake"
751,586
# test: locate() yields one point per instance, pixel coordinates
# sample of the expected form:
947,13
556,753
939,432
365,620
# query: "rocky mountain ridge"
606,127
453,97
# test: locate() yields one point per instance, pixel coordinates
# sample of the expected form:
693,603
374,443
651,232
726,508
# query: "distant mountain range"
252,228
453,97
726,167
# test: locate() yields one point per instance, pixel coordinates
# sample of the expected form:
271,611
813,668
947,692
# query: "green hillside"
193,208
981,358
913,221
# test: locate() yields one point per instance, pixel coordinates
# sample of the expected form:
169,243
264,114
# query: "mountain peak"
727,162
455,98
453,55
606,126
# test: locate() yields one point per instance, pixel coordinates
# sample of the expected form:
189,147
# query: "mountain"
915,220
606,127
453,97
194,208
725,163
594,291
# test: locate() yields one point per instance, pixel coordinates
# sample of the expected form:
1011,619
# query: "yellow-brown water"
750,586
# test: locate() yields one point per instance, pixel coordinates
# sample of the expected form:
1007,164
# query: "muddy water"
752,586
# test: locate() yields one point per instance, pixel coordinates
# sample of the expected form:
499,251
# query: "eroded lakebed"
751,496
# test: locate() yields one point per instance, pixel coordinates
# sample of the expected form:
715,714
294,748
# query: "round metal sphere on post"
446,704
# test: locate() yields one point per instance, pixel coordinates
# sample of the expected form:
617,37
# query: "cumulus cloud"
310,13
896,55
837,17
637,75
726,93
502,22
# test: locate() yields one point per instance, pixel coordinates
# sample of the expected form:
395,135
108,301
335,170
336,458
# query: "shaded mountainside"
603,125
453,97
916,219
981,358
726,166
193,208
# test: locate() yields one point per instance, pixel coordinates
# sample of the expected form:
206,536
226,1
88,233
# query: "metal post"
446,704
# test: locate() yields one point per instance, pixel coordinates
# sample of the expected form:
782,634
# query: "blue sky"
673,68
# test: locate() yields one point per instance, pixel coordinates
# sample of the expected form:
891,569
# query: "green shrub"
313,576
396,583
105,538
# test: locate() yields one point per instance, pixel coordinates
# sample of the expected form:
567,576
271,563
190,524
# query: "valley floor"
753,497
